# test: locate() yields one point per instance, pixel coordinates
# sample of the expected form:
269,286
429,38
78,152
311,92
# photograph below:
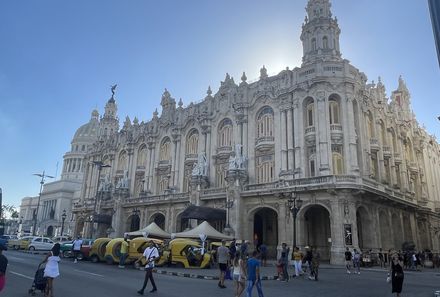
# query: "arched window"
334,112
310,114
220,175
338,163
325,42
165,150
163,184
312,165
313,44
122,162
225,133
265,122
192,142
142,156
265,169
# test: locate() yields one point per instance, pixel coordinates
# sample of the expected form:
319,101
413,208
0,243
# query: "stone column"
298,140
336,228
236,178
283,139
322,129
350,150
290,150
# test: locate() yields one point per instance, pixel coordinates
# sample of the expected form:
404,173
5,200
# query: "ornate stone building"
366,172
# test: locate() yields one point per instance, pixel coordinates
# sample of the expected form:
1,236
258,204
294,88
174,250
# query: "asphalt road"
86,279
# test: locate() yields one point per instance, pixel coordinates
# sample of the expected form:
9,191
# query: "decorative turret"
320,33
402,101
109,122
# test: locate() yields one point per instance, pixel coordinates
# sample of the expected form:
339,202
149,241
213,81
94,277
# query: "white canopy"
204,228
151,230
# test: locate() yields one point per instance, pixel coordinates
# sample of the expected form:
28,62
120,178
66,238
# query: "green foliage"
9,211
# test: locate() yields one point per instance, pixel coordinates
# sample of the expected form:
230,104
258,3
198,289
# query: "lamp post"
63,218
43,177
294,203
100,165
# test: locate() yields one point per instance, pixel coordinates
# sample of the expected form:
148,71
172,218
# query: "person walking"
314,264
232,249
77,244
124,253
381,259
151,253
239,274
396,271
297,261
307,260
51,271
3,266
284,261
348,260
263,254
244,249
357,261
222,259
253,275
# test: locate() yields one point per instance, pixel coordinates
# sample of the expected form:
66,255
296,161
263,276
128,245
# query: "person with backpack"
348,260
357,261
151,253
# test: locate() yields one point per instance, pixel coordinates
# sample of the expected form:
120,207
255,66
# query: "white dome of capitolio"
87,133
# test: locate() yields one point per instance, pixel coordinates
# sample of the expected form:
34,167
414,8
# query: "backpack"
357,256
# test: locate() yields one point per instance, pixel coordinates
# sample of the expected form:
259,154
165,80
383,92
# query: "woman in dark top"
396,270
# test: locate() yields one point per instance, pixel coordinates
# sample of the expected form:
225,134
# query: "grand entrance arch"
133,223
159,219
364,228
265,229
314,221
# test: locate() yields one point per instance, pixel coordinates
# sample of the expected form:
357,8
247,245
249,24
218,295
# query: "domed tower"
109,123
86,135
320,33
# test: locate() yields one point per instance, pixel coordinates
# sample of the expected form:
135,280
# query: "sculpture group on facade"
200,168
237,160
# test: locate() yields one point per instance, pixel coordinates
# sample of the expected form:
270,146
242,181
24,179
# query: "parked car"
4,239
40,243
97,252
62,239
188,254
21,243
67,249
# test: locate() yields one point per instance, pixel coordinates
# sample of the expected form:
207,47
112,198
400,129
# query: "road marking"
22,275
82,271
16,259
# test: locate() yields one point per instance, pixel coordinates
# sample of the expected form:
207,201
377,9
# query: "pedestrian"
357,261
284,261
244,249
297,261
314,264
263,254
77,244
222,259
413,261
3,266
239,274
396,271
348,259
307,260
232,249
253,275
151,253
51,271
381,259
124,253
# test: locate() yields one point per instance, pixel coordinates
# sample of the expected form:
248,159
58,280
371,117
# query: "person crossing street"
151,253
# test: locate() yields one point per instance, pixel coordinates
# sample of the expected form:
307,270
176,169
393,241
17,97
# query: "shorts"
223,266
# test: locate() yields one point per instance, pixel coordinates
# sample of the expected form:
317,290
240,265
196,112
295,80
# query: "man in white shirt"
77,243
151,253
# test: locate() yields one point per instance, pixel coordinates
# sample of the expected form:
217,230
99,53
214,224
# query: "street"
87,279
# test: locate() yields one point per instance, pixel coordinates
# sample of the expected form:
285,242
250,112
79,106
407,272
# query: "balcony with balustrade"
264,142
386,151
374,145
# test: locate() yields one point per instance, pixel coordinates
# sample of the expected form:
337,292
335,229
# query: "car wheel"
94,259
180,265
31,248
80,256
67,254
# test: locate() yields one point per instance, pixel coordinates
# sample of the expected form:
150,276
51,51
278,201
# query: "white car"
61,239
40,243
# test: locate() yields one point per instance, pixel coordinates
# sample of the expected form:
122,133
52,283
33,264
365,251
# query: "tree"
9,211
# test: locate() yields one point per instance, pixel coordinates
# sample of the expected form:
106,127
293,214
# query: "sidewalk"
267,273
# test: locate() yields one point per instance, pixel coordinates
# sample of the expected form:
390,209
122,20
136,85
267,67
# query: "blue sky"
59,58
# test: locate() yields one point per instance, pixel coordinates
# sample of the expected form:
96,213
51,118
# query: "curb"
200,276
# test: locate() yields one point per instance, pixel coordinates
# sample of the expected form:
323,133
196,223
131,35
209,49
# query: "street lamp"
63,218
43,177
100,165
294,203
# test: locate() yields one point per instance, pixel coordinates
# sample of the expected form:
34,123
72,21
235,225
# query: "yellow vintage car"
113,251
188,253
97,251
138,245
21,243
